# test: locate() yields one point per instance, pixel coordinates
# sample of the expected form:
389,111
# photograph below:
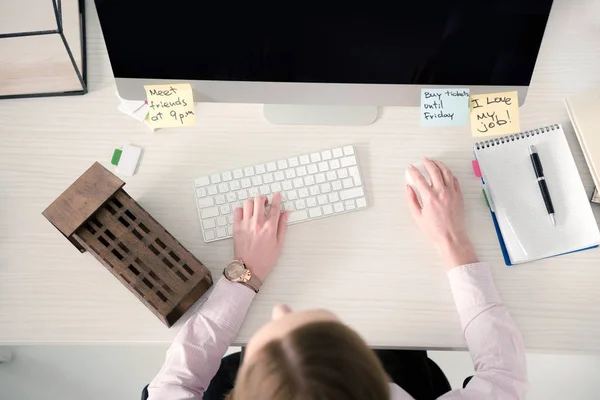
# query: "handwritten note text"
170,105
494,114
444,107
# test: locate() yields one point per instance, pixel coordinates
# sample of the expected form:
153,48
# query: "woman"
312,354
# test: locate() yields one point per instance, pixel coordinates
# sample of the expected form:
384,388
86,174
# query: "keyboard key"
323,166
296,216
349,205
290,173
231,197
326,155
315,212
227,176
264,190
343,173
276,187
336,185
212,190
208,223
361,202
201,192
235,185
268,178
230,219
288,206
334,164
311,202
221,221
291,195
215,178
209,235
242,194
279,176
305,159
237,204
303,192
287,185
249,171
271,167
348,150
230,230
238,174
327,209
352,193
338,207
309,180
315,157
223,187
320,178
260,169
301,171
331,176
206,202
348,161
298,183
209,212
253,192
333,197
257,181
221,232
314,190
348,183
322,199
293,162
220,199
282,164
225,209
353,172
312,169
300,204
337,152
202,181
325,188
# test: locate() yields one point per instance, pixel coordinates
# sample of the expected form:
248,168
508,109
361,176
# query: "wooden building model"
96,215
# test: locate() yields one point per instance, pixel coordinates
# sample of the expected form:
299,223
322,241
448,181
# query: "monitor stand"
305,114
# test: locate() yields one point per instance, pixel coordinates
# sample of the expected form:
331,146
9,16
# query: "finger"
282,226
457,186
248,208
238,215
413,202
275,209
446,173
259,207
437,181
419,180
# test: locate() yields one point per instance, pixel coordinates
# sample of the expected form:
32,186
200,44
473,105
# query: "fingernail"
410,166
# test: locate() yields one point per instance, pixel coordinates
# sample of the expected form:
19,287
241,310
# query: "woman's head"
309,355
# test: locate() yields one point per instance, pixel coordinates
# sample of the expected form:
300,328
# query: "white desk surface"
372,267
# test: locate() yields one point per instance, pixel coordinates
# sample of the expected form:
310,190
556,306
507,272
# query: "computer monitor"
296,62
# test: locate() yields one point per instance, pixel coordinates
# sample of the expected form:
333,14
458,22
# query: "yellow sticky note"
494,114
170,105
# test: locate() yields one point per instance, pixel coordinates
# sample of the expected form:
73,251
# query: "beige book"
584,111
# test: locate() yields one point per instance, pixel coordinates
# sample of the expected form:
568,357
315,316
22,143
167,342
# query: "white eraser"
129,160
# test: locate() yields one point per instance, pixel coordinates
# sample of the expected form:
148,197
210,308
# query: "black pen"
539,174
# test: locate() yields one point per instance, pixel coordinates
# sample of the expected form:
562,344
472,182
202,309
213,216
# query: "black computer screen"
453,42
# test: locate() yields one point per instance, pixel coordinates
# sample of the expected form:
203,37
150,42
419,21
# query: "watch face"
234,271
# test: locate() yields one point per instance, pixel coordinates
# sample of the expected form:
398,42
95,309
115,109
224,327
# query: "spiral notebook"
520,217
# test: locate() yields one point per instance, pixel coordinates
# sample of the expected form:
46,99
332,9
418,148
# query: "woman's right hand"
441,216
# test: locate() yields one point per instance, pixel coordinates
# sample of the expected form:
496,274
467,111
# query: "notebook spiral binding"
516,136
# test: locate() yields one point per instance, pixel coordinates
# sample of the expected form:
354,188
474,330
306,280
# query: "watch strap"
254,283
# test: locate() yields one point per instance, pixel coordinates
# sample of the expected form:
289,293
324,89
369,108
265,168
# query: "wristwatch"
236,271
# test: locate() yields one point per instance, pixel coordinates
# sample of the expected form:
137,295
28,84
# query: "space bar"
296,216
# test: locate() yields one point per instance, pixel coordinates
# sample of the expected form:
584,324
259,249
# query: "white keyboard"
312,186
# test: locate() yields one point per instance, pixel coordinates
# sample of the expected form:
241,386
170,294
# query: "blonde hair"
319,361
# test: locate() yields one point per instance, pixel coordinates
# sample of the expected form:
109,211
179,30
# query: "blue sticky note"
444,107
